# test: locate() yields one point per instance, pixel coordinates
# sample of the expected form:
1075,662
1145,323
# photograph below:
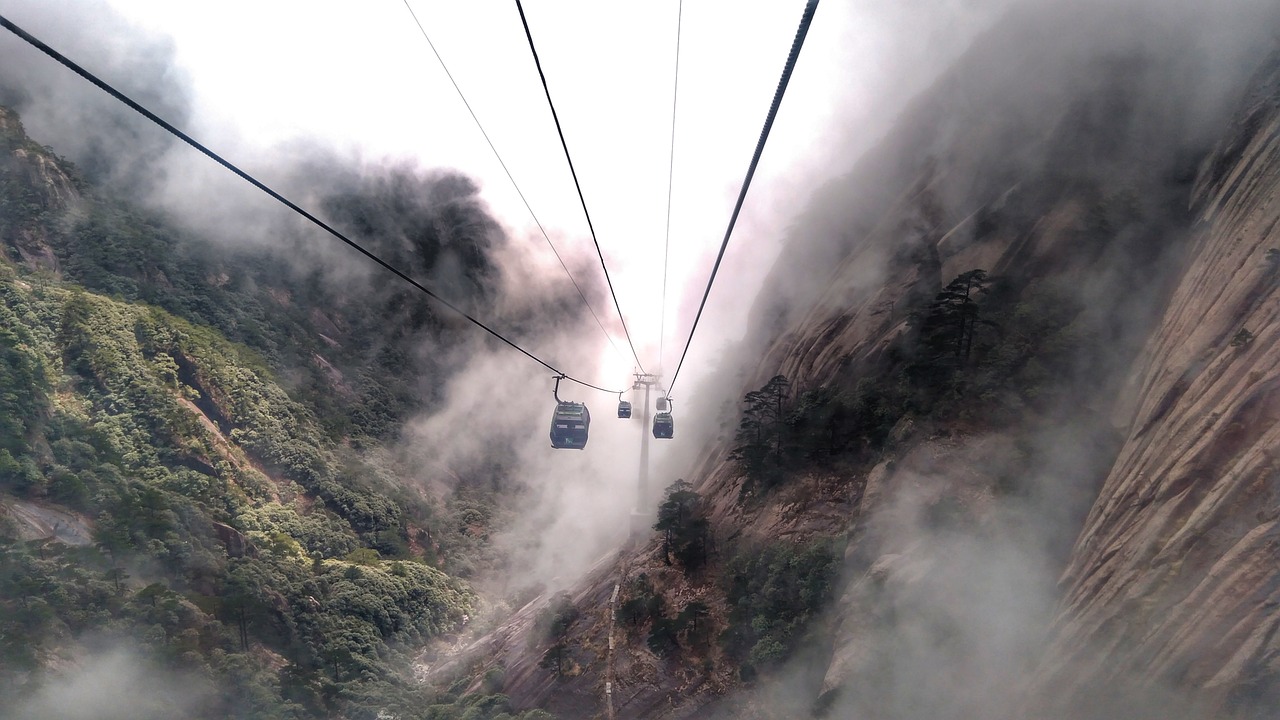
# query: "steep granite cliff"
1118,398
1175,576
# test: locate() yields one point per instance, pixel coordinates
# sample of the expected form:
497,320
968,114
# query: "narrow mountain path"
609,679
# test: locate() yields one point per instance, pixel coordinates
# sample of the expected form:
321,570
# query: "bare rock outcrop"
52,189
1176,576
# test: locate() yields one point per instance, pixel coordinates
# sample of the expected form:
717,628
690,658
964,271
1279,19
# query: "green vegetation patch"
772,593
190,464
982,351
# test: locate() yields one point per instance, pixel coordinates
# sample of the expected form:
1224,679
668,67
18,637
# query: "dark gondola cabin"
569,425
663,425
624,409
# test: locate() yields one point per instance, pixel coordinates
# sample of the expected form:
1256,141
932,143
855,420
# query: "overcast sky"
360,77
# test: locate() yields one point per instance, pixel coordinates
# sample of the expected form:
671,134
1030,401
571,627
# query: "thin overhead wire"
8,25
671,171
560,131
510,177
810,7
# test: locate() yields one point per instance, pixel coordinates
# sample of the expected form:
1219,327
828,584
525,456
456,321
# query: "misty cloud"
116,684
109,142
1153,78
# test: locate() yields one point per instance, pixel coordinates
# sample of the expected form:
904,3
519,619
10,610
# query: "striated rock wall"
1171,592
1175,578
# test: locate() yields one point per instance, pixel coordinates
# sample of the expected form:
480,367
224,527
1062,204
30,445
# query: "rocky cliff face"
1175,578
34,183
1106,546
1167,603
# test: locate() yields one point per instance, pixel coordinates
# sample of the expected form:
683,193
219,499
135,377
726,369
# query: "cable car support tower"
640,521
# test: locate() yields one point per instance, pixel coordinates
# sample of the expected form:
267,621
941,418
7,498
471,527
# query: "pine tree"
951,321
683,527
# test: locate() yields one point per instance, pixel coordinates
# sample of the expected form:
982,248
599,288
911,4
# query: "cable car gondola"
569,425
570,422
663,425
624,409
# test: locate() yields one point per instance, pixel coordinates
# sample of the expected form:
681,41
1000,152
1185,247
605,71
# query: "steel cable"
787,69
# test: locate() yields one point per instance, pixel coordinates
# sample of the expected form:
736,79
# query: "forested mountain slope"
199,516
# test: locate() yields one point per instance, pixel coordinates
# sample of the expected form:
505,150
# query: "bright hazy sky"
360,76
